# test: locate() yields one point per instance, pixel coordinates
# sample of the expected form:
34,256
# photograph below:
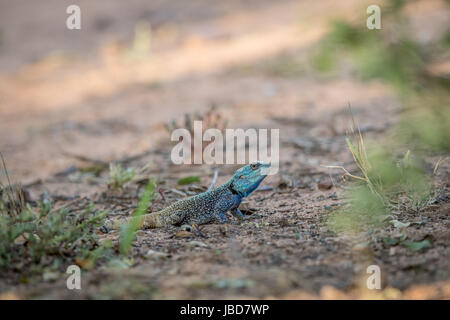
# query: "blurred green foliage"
392,56
142,43
399,62
188,180
426,121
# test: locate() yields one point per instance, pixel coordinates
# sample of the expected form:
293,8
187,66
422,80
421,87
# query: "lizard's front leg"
235,208
203,219
222,206
227,202
220,215
237,213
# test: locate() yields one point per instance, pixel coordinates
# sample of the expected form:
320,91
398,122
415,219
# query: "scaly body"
207,206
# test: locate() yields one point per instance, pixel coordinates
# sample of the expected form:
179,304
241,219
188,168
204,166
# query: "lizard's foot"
238,214
107,226
242,219
222,219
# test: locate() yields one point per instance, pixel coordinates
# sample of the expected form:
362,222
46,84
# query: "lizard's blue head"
248,178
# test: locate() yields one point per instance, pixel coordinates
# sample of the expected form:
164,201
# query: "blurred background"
106,90
134,65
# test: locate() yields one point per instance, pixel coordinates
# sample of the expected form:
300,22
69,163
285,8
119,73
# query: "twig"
86,159
161,192
10,189
213,183
346,173
103,163
438,163
135,157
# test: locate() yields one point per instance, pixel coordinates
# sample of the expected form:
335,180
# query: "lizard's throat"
234,191
247,191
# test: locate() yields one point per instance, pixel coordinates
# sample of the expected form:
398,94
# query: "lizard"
205,207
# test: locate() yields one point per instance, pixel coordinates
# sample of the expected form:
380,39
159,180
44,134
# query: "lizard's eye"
254,166
242,177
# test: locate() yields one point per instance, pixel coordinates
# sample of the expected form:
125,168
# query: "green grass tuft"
38,239
128,231
119,177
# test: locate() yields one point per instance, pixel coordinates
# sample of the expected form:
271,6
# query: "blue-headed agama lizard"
204,207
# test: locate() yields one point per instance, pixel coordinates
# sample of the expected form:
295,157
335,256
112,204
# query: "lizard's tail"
147,221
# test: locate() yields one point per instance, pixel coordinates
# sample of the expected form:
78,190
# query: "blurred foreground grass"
390,181
38,239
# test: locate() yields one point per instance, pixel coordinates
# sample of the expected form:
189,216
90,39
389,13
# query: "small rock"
325,184
283,222
183,234
29,196
392,251
192,244
265,188
186,227
120,264
21,240
86,264
398,224
50,276
305,144
223,230
285,182
141,233
363,247
156,255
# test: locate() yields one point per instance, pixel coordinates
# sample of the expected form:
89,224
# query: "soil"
69,101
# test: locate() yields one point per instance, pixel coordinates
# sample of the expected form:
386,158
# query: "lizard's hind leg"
203,219
175,218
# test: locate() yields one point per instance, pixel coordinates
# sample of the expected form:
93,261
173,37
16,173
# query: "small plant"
142,43
210,119
119,177
383,183
38,239
128,231
386,184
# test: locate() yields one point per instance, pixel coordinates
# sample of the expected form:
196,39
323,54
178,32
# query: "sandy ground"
65,94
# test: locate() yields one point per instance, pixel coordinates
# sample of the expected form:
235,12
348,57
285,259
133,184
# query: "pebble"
156,255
